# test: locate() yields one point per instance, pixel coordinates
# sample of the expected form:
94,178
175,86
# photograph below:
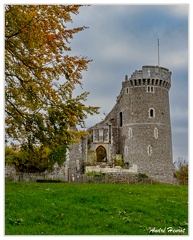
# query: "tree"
40,76
181,172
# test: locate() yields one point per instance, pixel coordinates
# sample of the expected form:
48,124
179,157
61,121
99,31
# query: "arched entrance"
101,154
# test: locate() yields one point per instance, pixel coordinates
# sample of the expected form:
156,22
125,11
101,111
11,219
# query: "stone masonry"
137,130
138,127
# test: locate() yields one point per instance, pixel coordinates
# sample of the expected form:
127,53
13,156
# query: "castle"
138,127
136,131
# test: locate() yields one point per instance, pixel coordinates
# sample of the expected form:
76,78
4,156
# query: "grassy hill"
95,209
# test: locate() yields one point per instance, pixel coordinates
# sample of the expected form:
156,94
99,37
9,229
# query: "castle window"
151,113
126,151
127,90
110,133
130,134
121,119
135,82
101,135
156,133
149,150
150,89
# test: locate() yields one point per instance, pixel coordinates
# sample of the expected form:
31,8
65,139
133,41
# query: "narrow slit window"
121,119
151,113
130,134
156,133
149,150
126,151
150,89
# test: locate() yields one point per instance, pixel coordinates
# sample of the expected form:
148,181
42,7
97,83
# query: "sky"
121,39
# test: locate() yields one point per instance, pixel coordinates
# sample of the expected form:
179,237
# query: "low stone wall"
113,177
12,175
116,169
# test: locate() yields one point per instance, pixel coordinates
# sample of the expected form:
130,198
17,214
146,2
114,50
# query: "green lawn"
95,209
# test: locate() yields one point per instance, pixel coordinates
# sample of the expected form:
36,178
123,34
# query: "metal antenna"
158,52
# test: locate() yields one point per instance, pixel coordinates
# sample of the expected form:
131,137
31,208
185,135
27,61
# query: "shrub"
142,176
95,174
118,160
35,159
181,172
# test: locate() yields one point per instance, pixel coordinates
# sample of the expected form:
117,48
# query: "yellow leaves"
36,41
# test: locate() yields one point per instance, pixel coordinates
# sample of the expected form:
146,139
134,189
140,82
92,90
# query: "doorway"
101,154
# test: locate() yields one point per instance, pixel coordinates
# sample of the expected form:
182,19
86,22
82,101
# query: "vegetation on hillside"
181,172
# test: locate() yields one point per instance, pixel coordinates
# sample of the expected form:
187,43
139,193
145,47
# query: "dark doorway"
101,154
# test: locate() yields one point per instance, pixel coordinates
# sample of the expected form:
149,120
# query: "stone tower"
138,127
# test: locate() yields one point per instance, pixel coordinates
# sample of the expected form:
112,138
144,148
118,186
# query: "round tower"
144,122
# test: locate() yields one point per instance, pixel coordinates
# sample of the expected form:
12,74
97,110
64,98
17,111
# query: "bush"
142,176
181,172
118,160
35,159
95,174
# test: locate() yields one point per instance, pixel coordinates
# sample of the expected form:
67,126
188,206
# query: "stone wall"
116,169
117,177
140,123
12,175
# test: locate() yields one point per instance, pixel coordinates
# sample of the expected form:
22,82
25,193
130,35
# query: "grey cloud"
123,38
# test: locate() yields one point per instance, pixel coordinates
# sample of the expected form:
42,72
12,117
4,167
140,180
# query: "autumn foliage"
181,172
41,75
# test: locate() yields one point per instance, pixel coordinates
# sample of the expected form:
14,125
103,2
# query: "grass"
95,209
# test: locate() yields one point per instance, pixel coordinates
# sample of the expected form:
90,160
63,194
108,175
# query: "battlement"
152,72
150,75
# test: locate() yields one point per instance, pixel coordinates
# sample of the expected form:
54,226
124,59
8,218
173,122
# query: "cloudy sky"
123,38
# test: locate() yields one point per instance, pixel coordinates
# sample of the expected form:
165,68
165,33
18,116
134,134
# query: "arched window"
149,150
130,133
151,113
156,133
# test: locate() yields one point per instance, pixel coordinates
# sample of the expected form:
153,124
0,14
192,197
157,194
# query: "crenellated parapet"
150,75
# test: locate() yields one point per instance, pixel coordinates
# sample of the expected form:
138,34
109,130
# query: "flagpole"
158,52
